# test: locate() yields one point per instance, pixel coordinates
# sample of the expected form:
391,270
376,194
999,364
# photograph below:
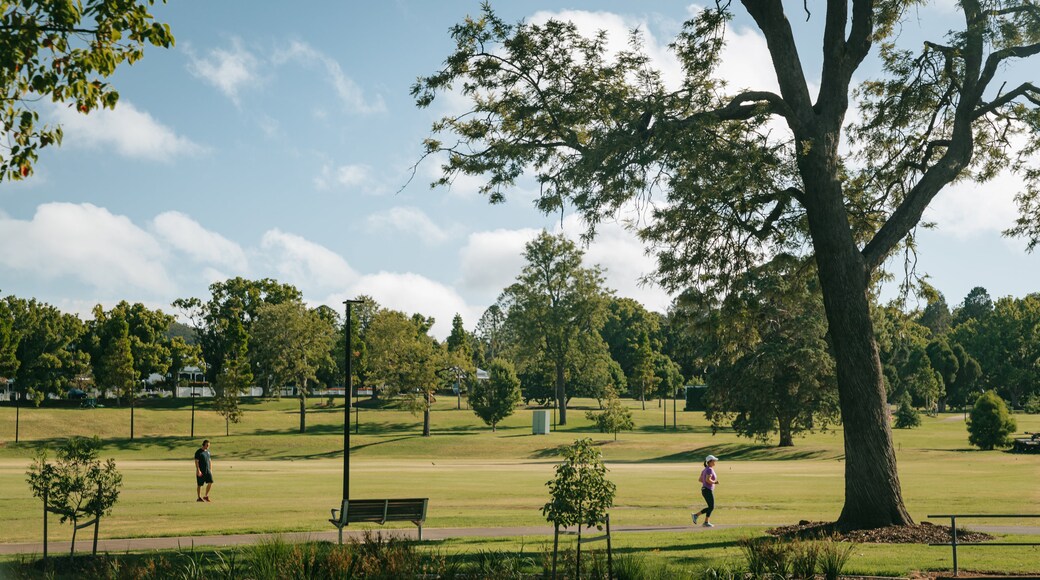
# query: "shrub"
1032,404
767,557
833,556
990,424
907,416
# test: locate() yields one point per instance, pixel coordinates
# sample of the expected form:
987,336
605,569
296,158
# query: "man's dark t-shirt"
202,456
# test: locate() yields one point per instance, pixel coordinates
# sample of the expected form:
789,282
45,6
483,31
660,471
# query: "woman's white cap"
710,458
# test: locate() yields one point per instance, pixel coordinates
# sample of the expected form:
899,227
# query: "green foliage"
224,322
580,493
833,557
77,484
614,417
600,129
773,372
1032,405
48,350
990,424
496,398
555,310
114,368
62,51
8,342
292,343
776,558
907,416
1006,344
403,360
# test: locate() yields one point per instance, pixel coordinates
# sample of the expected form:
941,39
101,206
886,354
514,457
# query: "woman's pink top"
707,478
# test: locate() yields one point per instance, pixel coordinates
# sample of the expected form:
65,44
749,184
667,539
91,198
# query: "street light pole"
348,354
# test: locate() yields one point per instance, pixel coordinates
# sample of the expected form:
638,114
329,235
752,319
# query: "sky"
278,140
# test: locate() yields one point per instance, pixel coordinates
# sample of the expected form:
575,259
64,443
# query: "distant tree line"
558,332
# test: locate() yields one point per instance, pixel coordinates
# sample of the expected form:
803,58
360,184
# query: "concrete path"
186,542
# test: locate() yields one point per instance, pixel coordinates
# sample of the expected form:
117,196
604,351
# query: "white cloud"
309,266
85,242
413,293
349,93
131,132
229,70
968,209
623,256
407,220
618,30
187,235
350,176
491,260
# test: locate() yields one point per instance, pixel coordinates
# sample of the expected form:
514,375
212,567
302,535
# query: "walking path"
186,542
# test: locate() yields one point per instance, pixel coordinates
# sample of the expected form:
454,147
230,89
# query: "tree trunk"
561,393
426,417
872,491
786,438
303,412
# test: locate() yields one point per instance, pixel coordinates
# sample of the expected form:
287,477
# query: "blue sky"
275,142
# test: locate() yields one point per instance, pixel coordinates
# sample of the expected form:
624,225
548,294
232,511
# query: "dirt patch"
923,533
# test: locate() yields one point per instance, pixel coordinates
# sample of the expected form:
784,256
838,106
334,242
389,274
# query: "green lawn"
271,478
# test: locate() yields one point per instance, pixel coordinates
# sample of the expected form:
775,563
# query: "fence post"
45,526
610,557
953,535
97,521
556,546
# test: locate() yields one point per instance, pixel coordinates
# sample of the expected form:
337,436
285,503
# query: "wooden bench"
380,511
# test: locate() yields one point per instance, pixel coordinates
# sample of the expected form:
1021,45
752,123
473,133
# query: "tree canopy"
62,52
738,176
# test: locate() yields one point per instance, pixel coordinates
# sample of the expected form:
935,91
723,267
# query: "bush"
1032,405
990,424
907,416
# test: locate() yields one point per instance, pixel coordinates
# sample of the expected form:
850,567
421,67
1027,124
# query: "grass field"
271,478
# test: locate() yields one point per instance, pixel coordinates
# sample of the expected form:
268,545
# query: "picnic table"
1030,444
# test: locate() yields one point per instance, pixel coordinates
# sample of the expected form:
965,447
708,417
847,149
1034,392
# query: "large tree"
745,174
62,52
554,307
49,349
292,343
772,372
403,360
233,300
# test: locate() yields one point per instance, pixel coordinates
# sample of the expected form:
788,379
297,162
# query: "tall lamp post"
346,400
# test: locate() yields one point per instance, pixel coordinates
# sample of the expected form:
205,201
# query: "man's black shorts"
206,477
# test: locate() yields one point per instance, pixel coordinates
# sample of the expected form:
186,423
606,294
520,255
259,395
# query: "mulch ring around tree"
923,533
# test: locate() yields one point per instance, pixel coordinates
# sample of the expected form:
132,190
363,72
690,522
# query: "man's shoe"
200,499
695,518
206,499
709,525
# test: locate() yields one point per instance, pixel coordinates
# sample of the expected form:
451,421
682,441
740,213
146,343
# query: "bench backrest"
385,510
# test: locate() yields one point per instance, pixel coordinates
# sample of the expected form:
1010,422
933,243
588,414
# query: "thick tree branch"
994,60
1027,90
771,20
745,106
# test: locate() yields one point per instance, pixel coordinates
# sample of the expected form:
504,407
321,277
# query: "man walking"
203,470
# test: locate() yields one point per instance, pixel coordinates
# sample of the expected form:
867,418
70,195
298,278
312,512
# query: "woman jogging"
708,482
